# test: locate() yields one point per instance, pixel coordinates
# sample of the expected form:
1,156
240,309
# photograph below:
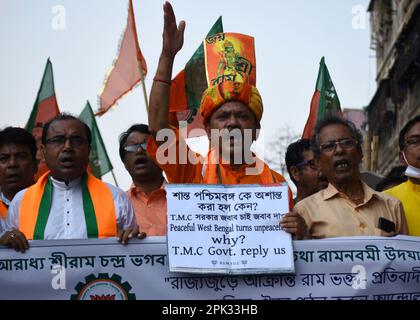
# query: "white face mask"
411,172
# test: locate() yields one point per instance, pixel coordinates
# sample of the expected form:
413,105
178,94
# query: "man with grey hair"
347,207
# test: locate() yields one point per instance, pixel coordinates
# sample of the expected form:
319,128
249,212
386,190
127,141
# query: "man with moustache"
147,194
67,202
409,192
347,207
304,170
18,164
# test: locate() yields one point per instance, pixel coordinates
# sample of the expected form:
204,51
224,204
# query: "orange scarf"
98,205
212,174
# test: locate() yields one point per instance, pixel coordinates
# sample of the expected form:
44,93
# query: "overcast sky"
81,38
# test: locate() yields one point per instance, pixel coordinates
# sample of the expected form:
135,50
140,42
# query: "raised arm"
173,39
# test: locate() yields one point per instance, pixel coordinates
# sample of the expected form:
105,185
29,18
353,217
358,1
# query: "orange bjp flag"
128,69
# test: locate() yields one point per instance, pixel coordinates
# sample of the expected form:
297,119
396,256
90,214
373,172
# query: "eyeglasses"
412,142
308,163
75,141
330,146
135,147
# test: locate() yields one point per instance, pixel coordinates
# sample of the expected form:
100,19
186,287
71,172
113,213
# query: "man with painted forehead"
231,113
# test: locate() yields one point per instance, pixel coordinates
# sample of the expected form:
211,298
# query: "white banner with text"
347,268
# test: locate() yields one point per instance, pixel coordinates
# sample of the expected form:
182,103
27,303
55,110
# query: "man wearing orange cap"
231,113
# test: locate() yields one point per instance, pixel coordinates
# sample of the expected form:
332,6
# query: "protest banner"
235,229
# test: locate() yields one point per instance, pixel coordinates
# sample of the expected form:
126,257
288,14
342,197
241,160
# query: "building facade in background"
395,27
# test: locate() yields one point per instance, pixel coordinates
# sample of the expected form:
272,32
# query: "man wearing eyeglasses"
409,192
147,194
67,202
347,207
304,170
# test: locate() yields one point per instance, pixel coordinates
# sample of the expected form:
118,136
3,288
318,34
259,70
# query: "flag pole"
144,89
115,179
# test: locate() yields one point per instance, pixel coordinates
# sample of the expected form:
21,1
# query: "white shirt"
2,222
66,219
4,199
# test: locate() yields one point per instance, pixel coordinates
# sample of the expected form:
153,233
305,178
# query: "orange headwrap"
217,95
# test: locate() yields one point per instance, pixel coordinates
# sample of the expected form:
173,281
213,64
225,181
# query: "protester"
409,192
304,169
231,112
347,207
67,202
18,164
147,193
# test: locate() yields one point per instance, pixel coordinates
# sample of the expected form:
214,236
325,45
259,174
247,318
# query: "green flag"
325,102
99,160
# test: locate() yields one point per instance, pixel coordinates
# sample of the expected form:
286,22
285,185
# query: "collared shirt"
409,194
330,214
150,210
66,219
